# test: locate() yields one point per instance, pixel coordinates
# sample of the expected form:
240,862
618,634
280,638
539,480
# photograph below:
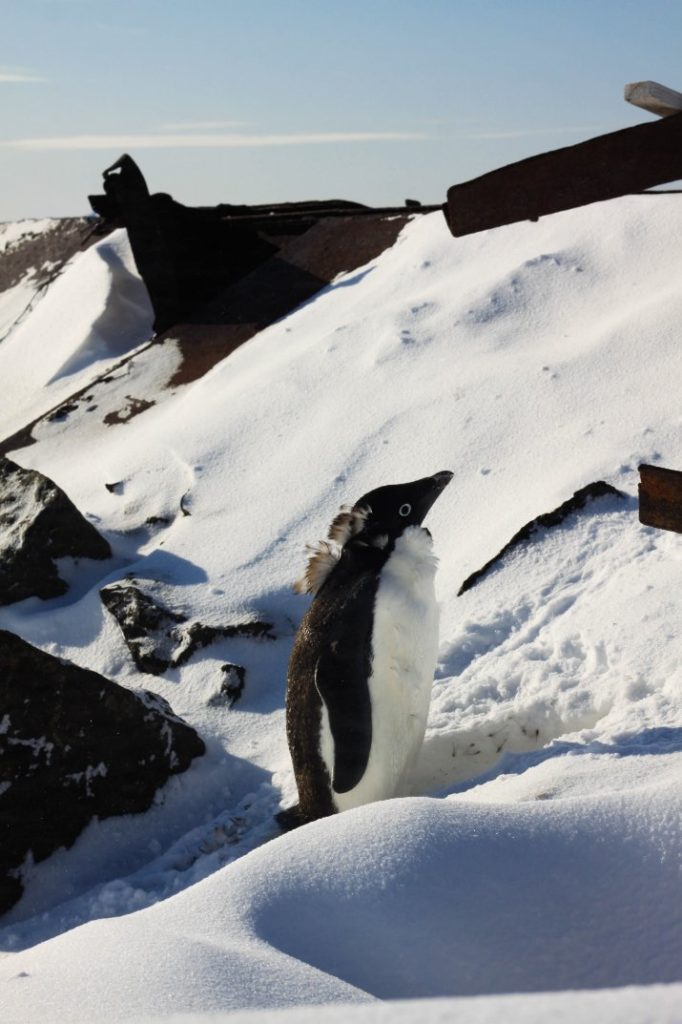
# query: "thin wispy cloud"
15,75
201,126
205,141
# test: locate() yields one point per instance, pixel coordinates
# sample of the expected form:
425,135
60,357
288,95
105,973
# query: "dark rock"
74,745
159,638
598,489
147,628
39,524
134,407
63,412
231,687
196,635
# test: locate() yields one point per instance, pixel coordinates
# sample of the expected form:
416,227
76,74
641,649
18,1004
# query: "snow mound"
409,898
93,313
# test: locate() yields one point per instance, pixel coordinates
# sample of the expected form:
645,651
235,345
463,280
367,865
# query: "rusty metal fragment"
660,497
622,162
216,276
190,257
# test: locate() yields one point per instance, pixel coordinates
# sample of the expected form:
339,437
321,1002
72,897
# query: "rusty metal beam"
630,160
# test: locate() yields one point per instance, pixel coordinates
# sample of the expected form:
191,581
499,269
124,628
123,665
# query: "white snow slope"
535,874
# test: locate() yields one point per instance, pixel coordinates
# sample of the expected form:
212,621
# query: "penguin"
363,659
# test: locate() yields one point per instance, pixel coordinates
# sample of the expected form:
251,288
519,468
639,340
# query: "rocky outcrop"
39,524
74,745
42,248
158,638
591,492
148,629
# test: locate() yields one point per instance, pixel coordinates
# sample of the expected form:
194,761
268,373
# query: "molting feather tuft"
325,554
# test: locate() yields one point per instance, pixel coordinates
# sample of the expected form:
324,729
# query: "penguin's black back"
332,653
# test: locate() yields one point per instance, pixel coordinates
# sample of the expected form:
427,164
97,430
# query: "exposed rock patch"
43,253
73,745
231,687
134,408
38,524
159,638
598,489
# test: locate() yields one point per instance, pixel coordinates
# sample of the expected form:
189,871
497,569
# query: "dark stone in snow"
159,638
231,687
39,524
598,489
147,628
74,745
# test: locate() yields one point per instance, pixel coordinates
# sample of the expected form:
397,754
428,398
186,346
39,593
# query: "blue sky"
272,100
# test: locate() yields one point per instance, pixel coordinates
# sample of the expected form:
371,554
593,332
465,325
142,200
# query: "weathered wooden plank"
654,97
612,165
660,497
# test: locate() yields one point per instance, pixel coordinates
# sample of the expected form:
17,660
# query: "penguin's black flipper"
341,680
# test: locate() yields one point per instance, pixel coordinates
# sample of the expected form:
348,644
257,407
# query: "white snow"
16,302
607,1006
544,857
96,311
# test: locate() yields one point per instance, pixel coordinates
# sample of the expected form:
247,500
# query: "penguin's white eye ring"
404,510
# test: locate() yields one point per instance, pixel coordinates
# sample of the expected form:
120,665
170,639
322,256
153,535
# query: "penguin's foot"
290,818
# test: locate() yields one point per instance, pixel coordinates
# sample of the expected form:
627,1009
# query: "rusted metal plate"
218,275
608,166
190,256
184,254
303,267
660,497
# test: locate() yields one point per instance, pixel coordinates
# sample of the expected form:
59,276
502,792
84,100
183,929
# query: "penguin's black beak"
430,488
442,479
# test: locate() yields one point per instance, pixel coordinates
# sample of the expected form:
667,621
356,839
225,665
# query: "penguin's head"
377,519
386,512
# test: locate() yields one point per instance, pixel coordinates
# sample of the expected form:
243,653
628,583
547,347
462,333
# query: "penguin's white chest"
404,654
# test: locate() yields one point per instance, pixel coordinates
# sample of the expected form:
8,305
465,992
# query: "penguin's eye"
404,510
